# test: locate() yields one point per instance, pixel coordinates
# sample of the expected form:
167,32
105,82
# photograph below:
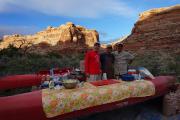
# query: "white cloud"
71,8
3,5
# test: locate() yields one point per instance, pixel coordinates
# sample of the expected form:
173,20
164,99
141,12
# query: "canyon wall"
156,29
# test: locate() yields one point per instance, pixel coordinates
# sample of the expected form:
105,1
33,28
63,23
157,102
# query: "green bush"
159,63
10,51
12,62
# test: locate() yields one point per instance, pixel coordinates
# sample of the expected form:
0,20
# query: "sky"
113,19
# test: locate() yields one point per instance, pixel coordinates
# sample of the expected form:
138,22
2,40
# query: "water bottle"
52,72
140,77
51,84
135,76
104,76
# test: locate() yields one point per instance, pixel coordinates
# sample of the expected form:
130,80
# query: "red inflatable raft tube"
28,106
19,81
27,80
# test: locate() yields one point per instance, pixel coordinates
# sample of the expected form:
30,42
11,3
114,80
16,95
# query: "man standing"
122,59
107,63
92,63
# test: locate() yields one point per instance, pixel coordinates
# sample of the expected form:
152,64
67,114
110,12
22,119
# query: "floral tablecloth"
57,102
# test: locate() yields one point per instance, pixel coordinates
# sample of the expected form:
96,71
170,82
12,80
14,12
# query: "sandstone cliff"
114,42
64,35
156,29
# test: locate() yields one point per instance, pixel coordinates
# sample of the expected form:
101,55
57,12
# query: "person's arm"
101,60
130,58
86,64
113,58
130,61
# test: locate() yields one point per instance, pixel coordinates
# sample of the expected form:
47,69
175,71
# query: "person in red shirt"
92,64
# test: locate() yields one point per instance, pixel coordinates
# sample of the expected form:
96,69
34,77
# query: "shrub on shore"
13,61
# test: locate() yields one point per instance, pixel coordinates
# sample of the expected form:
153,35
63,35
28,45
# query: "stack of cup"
178,98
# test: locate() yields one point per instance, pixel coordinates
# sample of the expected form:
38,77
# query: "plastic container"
145,73
127,77
134,73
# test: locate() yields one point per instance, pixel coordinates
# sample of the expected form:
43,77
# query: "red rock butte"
68,33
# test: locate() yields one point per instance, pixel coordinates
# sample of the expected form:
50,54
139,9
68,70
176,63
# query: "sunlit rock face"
156,29
67,35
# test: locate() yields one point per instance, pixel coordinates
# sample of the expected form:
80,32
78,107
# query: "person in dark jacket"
107,63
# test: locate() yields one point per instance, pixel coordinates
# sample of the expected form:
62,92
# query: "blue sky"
111,18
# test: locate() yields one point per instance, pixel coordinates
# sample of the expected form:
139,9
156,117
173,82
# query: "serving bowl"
70,83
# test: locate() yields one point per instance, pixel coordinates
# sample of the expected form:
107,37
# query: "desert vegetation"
14,61
159,62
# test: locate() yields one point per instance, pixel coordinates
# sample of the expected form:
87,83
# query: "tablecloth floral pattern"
58,102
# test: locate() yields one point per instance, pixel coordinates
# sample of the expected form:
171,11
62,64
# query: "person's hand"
87,75
130,61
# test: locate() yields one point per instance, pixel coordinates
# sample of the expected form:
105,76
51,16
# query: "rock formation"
156,29
113,43
64,34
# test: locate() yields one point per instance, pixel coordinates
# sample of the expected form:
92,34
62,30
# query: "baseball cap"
109,46
97,44
119,44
